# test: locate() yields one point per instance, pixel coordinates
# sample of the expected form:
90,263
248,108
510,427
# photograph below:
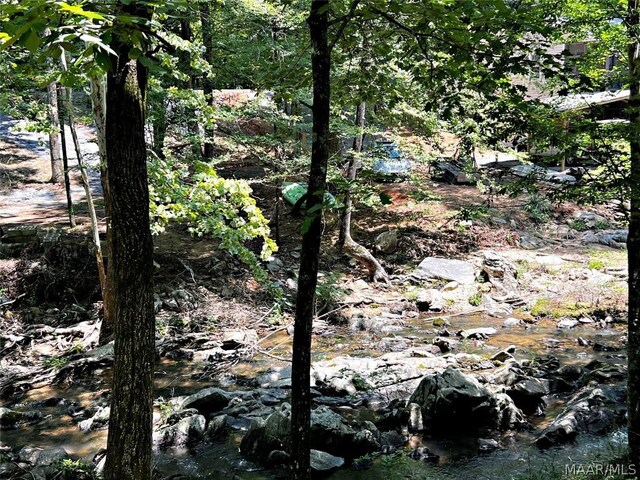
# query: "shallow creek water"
458,455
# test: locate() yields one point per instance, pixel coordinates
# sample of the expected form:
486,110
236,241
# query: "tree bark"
207,82
65,158
57,168
633,239
308,275
130,272
99,108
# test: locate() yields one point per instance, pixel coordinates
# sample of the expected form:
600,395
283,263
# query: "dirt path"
26,196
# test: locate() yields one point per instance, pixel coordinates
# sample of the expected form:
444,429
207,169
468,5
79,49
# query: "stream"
458,455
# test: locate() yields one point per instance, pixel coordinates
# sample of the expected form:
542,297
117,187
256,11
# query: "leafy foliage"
210,205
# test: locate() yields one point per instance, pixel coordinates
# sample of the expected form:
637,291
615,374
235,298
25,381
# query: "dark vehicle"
389,162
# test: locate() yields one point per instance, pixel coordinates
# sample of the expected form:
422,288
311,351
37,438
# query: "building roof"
584,101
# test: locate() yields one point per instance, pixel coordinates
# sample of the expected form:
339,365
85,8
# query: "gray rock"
186,432
43,456
611,238
98,420
446,344
504,355
171,304
511,322
275,265
235,339
423,454
324,462
567,323
528,393
415,418
267,435
594,410
478,333
206,401
500,273
217,427
606,347
453,401
387,242
329,431
607,373
487,444
450,287
429,300
10,419
446,269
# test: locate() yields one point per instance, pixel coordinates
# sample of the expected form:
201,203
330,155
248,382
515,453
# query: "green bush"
538,207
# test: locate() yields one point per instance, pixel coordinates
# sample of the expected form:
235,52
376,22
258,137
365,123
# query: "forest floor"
431,218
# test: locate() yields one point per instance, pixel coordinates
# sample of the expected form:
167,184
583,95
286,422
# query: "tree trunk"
65,158
57,168
345,242
99,108
376,271
95,228
358,140
633,241
159,125
308,275
130,272
345,225
207,82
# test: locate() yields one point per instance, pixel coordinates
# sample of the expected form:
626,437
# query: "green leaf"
135,53
78,10
31,41
103,59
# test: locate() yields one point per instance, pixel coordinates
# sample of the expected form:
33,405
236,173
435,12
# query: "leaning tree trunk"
633,241
57,168
346,243
95,228
130,272
308,275
99,108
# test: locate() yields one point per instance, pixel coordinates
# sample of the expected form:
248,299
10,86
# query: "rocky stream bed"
413,381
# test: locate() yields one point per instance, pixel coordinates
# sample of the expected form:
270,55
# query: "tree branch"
343,24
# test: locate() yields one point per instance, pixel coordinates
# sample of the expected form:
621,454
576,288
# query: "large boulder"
527,392
43,456
10,419
595,410
446,269
267,435
185,428
453,401
329,433
208,400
